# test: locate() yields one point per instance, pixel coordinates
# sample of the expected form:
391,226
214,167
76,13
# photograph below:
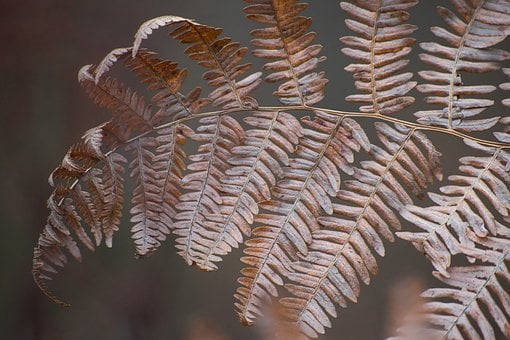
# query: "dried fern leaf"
109,183
147,231
474,304
157,167
130,113
477,26
465,209
341,252
287,43
380,48
217,136
285,228
255,168
49,252
84,203
221,56
166,78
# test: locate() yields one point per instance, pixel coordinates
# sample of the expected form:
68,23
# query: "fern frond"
255,168
84,204
464,211
380,47
340,255
147,231
285,229
157,166
108,186
217,136
475,302
288,44
49,252
478,26
221,56
166,78
130,113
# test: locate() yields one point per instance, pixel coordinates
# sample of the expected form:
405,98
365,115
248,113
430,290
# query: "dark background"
114,296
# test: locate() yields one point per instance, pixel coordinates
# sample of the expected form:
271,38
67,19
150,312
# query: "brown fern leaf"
380,48
217,136
285,229
66,199
475,302
463,213
255,168
49,252
478,26
130,113
157,167
340,255
288,44
84,203
108,187
221,56
147,231
164,77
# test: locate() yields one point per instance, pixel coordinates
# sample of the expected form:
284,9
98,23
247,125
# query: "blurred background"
114,296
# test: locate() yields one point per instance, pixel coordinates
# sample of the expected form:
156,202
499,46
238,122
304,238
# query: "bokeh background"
115,296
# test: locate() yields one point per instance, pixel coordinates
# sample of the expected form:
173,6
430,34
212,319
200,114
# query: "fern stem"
352,114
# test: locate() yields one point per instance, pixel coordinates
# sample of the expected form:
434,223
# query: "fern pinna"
312,219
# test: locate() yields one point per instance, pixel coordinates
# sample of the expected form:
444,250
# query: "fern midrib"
197,210
292,209
367,204
490,277
453,75
243,188
231,82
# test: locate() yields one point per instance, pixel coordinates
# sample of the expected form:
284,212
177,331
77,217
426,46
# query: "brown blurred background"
114,296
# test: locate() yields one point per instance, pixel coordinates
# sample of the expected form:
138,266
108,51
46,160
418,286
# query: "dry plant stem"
412,125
